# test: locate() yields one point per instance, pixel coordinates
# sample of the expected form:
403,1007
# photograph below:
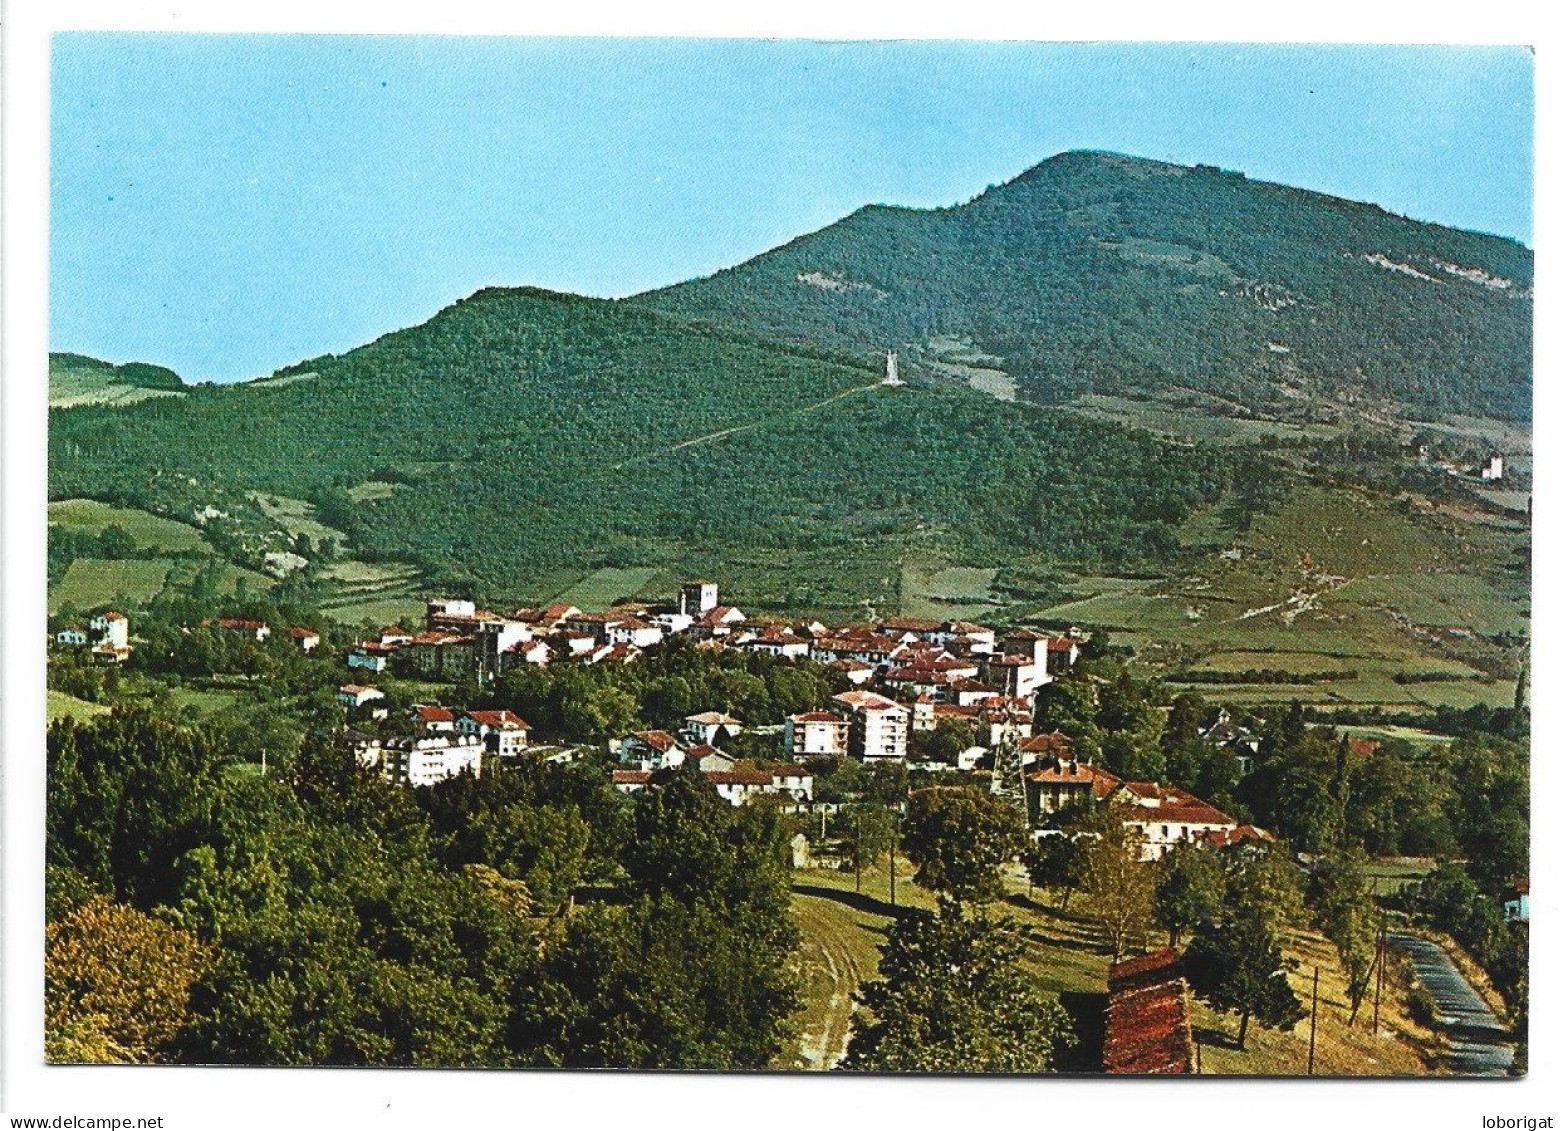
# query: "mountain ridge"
1094,272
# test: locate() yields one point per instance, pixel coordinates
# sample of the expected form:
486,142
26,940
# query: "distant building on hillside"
1492,470
695,598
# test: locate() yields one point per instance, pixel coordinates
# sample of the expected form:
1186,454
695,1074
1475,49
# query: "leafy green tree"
867,832
1344,913
959,839
116,984
1118,884
954,996
1235,964
1057,863
1189,889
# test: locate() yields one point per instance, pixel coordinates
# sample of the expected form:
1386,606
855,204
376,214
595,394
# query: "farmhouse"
1058,783
256,630
738,785
354,695
1167,817
711,726
304,639
1147,1024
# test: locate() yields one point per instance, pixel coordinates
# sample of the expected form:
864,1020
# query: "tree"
1236,966
1344,914
1118,883
953,996
116,984
959,839
868,831
1189,886
1057,863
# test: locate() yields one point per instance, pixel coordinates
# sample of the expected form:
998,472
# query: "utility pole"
263,761
857,850
1313,1020
1378,989
895,842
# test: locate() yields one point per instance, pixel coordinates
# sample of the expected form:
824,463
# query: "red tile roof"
499,720
1147,1017
435,714
818,717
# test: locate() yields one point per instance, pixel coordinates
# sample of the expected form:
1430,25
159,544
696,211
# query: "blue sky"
229,204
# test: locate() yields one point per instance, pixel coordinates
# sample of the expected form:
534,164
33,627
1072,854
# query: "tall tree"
1189,885
953,996
959,840
116,984
1118,883
1236,966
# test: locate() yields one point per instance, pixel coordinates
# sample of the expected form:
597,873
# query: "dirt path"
717,435
823,1042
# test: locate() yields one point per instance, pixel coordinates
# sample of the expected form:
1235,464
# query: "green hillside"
522,440
1094,273
78,380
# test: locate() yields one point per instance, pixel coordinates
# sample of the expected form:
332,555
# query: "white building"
815,733
111,628
1493,469
877,726
430,758
1169,817
355,696
709,726
502,732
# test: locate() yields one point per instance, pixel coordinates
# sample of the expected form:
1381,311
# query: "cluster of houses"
435,742
937,670
105,638
949,661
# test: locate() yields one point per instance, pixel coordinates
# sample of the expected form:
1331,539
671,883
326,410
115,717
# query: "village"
907,676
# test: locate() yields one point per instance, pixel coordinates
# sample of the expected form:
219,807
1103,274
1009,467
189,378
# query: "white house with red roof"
709,727
1166,817
651,749
433,718
304,639
502,732
355,695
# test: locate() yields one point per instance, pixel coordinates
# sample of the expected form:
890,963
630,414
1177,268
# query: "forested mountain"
1096,272
520,431
75,379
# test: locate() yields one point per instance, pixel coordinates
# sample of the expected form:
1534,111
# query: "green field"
295,516
149,531
93,582
1332,580
842,931
381,611
947,592
62,706
599,590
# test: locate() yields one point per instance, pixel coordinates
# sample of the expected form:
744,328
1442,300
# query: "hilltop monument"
892,376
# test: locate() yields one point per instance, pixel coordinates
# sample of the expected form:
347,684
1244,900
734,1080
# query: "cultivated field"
150,531
93,582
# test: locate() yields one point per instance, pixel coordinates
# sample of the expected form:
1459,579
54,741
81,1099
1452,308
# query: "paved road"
1478,1042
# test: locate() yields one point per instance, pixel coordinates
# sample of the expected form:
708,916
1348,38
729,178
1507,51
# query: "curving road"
1479,1043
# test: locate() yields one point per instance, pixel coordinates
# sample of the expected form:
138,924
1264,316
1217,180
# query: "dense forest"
1094,272
520,431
